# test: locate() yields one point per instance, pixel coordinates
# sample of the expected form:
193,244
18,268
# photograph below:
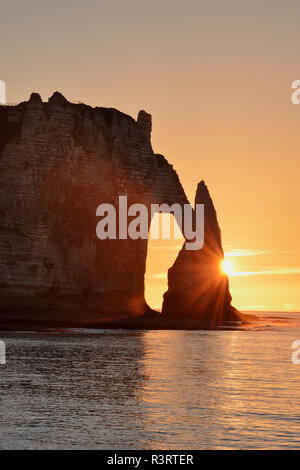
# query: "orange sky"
216,77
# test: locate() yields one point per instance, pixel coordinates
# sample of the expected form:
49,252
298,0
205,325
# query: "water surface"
119,389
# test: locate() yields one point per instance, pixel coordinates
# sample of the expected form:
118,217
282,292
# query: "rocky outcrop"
198,292
58,162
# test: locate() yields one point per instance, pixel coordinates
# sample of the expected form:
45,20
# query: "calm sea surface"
114,389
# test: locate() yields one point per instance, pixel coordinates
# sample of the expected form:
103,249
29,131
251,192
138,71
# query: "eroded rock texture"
58,162
198,293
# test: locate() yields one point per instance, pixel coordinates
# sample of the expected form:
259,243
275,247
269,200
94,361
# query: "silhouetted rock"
198,292
58,162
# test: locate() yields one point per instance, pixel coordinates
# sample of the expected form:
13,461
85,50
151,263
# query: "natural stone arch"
160,257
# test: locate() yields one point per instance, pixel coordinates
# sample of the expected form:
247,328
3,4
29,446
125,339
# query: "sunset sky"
216,77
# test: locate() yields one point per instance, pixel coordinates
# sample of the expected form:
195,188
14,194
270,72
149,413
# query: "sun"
226,267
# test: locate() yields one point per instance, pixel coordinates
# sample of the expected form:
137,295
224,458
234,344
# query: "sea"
120,389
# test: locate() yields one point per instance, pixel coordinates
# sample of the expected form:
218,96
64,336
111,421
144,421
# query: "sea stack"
198,291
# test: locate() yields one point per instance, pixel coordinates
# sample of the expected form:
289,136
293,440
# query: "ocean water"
119,389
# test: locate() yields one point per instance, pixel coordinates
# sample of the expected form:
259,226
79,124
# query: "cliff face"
198,293
58,162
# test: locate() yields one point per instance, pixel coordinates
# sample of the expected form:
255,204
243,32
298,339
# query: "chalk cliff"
58,162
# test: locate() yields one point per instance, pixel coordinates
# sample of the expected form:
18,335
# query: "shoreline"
146,322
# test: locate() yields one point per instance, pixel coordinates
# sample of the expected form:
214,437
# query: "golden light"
226,267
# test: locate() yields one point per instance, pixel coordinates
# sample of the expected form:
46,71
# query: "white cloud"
157,276
272,271
244,252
